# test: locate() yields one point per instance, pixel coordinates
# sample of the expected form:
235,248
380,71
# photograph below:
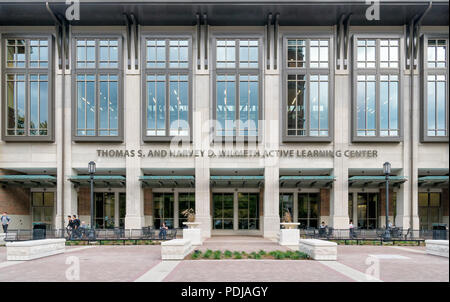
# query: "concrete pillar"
148,206
339,194
201,139
271,135
134,218
69,196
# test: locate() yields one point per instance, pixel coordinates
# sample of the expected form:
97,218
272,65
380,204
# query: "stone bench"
437,247
33,249
318,249
175,249
2,239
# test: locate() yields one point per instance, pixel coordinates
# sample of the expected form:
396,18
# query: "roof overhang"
297,181
374,181
167,181
435,181
100,181
28,181
223,12
237,181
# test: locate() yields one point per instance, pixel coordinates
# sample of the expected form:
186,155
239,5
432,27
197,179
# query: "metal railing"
87,234
396,234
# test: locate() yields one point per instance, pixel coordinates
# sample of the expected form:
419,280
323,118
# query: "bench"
175,249
318,249
437,247
2,239
34,249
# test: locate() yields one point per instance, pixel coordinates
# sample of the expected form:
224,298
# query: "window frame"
50,137
425,71
97,72
377,72
307,71
166,71
236,71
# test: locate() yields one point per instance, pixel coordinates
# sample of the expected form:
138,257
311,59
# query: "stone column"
324,205
339,194
271,134
69,196
201,135
148,206
134,218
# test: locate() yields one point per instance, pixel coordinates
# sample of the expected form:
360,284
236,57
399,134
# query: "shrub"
217,254
228,254
262,252
207,254
196,254
237,255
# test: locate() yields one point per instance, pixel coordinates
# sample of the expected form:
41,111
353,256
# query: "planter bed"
237,255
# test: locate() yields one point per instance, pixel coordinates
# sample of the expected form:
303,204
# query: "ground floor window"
122,209
185,201
42,208
105,210
429,209
248,212
163,209
286,204
223,211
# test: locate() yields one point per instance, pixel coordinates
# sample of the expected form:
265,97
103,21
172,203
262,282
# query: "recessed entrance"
238,211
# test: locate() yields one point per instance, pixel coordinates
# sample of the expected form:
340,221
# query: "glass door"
367,210
223,211
122,209
42,208
429,209
163,209
185,201
248,211
308,210
105,210
286,204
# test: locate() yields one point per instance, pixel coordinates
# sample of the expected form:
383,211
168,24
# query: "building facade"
241,111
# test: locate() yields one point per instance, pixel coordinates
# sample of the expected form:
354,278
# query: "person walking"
69,227
5,222
76,226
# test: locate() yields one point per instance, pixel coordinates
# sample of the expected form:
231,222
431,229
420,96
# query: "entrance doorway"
238,211
110,209
429,209
367,210
43,208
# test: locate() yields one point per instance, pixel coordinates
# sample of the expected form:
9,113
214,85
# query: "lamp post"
387,171
91,170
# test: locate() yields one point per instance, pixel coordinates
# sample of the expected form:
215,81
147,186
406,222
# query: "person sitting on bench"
163,231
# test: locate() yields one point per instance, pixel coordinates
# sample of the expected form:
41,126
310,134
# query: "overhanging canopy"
433,181
237,181
29,181
223,12
102,181
374,181
299,181
167,181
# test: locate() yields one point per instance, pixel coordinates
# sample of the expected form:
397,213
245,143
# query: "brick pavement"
128,263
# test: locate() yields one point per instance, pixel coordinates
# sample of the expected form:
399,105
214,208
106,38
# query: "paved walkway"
142,263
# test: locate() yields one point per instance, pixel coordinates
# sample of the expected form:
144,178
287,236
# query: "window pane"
108,123
178,53
226,53
226,105
16,104
296,104
431,105
178,109
86,105
441,107
248,105
15,53
156,53
156,105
